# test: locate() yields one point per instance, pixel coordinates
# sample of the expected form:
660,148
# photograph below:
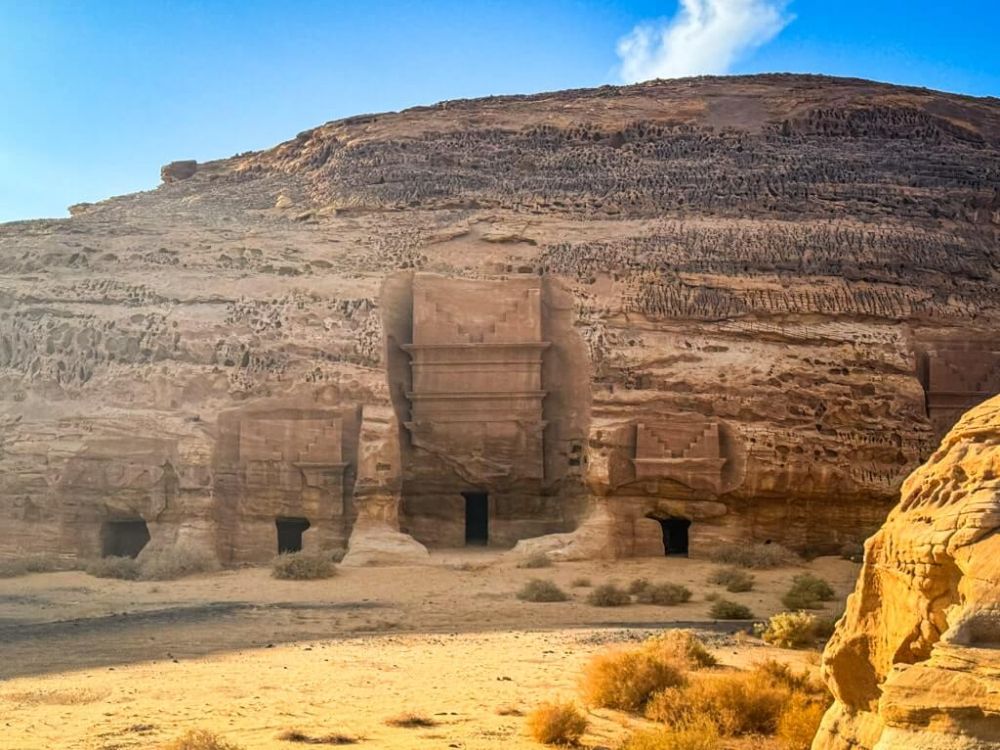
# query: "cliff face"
915,662
749,304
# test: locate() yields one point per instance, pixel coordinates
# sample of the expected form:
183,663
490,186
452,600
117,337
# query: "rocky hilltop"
687,311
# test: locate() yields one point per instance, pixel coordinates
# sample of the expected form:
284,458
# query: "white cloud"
705,37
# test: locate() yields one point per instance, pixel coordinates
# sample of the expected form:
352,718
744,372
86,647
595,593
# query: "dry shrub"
737,703
626,678
790,630
581,583
608,595
300,566
740,703
538,590
735,580
682,646
175,562
808,592
757,556
723,609
699,734
799,722
557,724
411,721
637,584
123,568
38,562
664,594
200,739
294,735
536,560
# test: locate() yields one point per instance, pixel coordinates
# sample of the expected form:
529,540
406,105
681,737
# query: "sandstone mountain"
915,662
689,311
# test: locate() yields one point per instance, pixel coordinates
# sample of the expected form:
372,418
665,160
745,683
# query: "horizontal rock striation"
804,270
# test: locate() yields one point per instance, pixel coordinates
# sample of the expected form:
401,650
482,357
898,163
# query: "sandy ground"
105,665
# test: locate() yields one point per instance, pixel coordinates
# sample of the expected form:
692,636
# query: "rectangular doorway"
290,534
477,518
675,536
123,538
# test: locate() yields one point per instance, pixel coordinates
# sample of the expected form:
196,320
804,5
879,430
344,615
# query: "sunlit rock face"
915,662
668,316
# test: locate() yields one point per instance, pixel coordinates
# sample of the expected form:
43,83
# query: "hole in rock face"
675,535
123,538
290,533
477,517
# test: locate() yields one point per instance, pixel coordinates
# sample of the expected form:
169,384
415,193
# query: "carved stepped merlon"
476,361
685,452
291,454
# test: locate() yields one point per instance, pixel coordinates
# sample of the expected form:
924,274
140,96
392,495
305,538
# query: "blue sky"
95,96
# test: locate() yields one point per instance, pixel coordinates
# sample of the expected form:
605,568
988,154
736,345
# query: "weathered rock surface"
915,662
377,543
748,304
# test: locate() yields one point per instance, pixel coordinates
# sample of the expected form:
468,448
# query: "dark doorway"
123,538
290,534
477,517
675,535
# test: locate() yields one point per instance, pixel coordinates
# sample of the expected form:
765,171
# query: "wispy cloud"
705,37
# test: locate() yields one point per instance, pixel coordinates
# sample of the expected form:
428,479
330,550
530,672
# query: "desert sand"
103,664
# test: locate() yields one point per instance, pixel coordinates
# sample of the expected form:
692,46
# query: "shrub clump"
735,580
799,722
723,609
557,724
754,702
539,590
756,556
38,562
411,721
200,739
536,560
637,584
581,583
682,646
808,592
664,594
175,562
699,734
790,630
608,595
299,566
295,735
123,568
625,679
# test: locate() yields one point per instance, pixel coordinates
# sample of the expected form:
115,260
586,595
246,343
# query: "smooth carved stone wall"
915,662
475,398
277,463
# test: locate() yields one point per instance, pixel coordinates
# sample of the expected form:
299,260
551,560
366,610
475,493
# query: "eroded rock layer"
696,310
915,662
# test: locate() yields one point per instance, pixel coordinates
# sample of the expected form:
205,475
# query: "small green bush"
608,595
124,568
790,630
664,594
808,592
300,566
536,560
538,590
735,580
724,609
757,556
557,724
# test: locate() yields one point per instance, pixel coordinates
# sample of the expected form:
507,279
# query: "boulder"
176,171
914,663
377,543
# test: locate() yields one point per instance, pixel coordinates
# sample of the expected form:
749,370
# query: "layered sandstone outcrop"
915,662
714,309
